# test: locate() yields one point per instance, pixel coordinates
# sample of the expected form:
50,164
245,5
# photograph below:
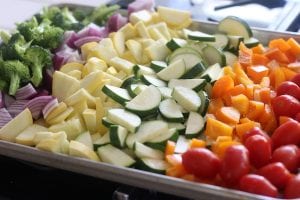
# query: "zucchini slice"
104,140
251,42
152,165
222,41
194,84
124,118
158,65
176,43
115,156
152,80
143,151
119,95
166,92
212,73
118,135
235,26
106,122
231,58
145,103
135,89
187,98
194,125
194,71
160,141
175,70
213,55
190,56
139,70
178,126
204,102
170,110
199,36
182,144
234,42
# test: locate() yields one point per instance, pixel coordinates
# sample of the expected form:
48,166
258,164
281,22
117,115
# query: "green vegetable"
38,58
14,48
14,72
43,34
62,18
101,14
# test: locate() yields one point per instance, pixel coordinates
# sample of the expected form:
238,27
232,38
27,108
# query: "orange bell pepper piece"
280,43
214,105
295,46
215,128
197,143
241,103
256,73
259,59
228,115
256,108
170,148
221,86
259,49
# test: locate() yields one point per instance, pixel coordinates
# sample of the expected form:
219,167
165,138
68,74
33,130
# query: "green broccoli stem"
3,85
37,75
14,84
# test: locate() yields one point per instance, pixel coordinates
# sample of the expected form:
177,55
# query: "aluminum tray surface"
135,177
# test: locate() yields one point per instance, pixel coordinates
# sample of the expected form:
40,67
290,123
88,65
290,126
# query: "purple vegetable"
78,43
92,30
139,5
48,77
37,104
8,100
26,92
69,38
49,107
115,22
17,107
42,92
64,55
4,117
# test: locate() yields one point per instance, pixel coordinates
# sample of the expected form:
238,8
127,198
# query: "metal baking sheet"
135,177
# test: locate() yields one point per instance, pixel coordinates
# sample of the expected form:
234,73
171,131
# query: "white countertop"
13,11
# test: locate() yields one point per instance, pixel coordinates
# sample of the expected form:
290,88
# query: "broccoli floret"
38,58
5,36
43,34
14,48
3,85
101,14
62,18
14,72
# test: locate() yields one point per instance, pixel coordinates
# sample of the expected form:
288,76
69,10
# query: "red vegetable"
287,155
286,105
115,22
289,88
26,92
276,173
287,133
255,131
296,79
259,150
201,162
235,164
292,190
258,185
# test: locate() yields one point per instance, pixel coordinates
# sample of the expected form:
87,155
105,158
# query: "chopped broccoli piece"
62,18
43,34
5,36
14,72
3,85
101,14
14,48
38,58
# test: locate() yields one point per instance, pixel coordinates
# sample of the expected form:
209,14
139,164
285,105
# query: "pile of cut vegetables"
147,92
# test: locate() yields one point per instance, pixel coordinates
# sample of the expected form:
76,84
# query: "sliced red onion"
64,55
91,30
48,77
17,107
4,117
37,104
139,5
115,22
49,107
1,100
8,100
78,43
26,92
70,37
43,92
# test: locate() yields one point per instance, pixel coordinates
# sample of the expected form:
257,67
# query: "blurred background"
280,15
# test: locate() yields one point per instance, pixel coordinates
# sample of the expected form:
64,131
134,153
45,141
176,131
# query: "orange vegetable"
241,75
174,159
271,125
265,82
283,119
176,171
241,129
245,55
280,43
289,74
241,103
259,59
197,143
276,54
221,144
214,105
228,115
256,73
263,95
279,76
259,49
256,108
221,86
266,115
295,46
228,71
189,177
238,89
215,128
249,91
170,148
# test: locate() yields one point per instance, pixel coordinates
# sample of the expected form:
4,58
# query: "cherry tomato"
287,155
285,105
292,189
290,88
255,131
296,79
287,133
276,173
258,185
260,150
235,164
201,162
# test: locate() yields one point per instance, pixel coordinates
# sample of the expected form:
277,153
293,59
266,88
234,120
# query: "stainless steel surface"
135,177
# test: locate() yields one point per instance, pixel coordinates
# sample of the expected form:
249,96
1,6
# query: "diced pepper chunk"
215,128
